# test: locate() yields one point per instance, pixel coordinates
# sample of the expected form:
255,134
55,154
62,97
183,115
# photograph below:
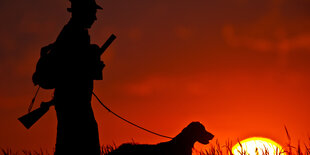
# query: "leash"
160,135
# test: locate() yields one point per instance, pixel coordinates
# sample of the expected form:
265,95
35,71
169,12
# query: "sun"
257,146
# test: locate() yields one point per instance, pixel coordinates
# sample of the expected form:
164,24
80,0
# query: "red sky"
240,67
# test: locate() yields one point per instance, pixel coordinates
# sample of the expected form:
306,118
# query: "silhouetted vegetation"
214,149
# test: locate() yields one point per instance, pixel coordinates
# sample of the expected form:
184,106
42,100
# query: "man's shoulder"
71,33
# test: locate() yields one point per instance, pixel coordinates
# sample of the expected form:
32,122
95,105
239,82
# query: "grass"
212,149
24,152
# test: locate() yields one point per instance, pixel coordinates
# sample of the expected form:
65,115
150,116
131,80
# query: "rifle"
32,117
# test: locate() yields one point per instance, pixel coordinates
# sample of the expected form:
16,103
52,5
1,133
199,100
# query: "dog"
182,144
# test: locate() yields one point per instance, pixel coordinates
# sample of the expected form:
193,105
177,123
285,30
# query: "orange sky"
240,67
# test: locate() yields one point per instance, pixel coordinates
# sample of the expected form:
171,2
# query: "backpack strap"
33,99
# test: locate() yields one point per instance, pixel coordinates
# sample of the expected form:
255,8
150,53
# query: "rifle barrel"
107,43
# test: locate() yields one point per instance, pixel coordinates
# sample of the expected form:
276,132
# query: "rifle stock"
32,117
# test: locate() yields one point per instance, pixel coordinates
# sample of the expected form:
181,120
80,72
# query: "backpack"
45,72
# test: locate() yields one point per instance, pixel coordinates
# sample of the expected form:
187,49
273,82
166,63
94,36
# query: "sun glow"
257,146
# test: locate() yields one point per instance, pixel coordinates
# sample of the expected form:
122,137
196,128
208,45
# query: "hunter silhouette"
77,64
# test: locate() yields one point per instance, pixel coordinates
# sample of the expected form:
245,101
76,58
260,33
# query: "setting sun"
257,145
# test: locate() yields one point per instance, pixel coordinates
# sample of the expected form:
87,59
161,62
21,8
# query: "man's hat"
84,5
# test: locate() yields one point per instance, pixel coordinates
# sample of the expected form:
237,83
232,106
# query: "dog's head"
197,132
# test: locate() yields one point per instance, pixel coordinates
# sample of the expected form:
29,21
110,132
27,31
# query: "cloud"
149,85
282,44
156,84
233,40
271,31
